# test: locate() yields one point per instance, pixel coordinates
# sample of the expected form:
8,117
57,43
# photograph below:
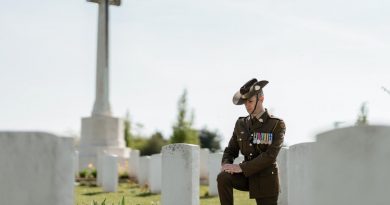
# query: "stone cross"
102,104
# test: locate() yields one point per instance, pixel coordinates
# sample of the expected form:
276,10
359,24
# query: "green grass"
134,195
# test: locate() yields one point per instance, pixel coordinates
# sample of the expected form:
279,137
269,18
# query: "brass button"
250,154
250,144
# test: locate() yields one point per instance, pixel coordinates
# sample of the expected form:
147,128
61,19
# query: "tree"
182,129
154,144
362,116
151,145
209,139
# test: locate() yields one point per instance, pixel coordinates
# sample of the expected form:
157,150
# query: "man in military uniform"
259,137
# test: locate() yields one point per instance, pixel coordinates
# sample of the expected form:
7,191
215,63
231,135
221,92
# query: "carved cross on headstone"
102,104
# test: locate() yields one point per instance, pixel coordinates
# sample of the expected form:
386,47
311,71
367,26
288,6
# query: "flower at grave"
90,166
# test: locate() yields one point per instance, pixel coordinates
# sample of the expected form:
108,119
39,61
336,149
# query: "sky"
322,58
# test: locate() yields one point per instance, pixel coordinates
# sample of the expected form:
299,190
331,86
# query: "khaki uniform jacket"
259,165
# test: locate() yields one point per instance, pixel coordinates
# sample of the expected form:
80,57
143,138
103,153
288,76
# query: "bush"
88,173
94,173
83,173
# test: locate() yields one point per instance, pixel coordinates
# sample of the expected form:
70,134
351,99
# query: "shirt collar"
262,116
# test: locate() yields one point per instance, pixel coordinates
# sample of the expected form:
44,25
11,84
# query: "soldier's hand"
231,168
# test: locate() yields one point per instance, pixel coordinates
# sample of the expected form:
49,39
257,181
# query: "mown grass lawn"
134,195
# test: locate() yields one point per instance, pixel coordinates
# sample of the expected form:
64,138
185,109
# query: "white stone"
102,104
122,161
351,166
204,173
155,173
180,174
144,163
134,164
99,166
36,168
123,156
110,173
76,163
283,171
215,160
239,159
300,169
101,132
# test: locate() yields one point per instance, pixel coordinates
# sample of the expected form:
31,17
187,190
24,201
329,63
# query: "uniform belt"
249,158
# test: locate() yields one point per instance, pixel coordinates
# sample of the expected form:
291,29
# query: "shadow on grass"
207,197
93,193
145,194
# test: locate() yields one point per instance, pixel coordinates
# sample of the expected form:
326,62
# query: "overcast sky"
322,58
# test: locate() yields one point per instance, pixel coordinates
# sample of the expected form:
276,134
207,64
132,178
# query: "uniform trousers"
226,183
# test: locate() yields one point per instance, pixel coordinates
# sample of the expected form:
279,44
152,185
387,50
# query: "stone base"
101,133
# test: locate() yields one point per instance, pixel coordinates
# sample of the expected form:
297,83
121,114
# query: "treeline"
182,132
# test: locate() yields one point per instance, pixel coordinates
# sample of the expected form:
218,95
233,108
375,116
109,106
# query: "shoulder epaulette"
274,117
277,122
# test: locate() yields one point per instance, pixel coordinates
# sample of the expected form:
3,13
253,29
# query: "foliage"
94,173
139,143
153,144
182,129
122,202
123,175
209,139
83,173
363,114
149,146
88,173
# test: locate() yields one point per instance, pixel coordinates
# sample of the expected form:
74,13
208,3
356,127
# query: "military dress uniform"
259,140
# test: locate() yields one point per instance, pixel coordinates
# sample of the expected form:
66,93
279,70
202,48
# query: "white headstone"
99,166
299,177
110,173
76,163
351,166
123,156
144,163
180,174
283,171
204,172
134,164
214,169
155,174
36,168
